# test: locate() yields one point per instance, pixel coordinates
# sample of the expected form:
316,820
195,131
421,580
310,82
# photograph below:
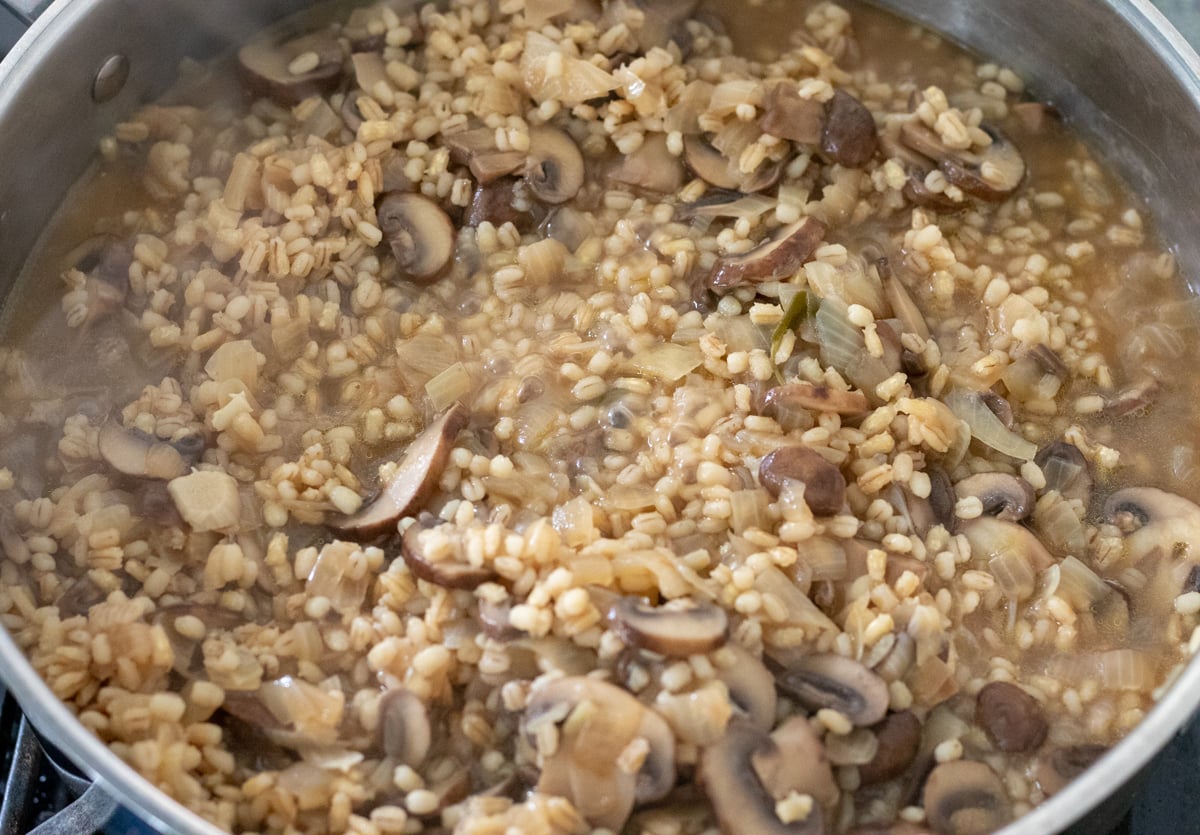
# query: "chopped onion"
632,498
825,559
802,613
340,574
668,361
448,387
577,81
537,12
684,115
574,523
369,70
1014,574
424,356
1125,669
1080,586
985,427
904,308
749,510
309,709
751,206
737,332
843,347
1058,524
237,360
932,682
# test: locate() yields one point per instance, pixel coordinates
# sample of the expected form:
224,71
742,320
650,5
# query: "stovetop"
43,784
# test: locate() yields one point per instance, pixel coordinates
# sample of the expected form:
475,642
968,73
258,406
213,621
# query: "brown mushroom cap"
596,721
899,736
965,798
554,166
133,452
739,797
1002,495
264,64
789,116
1167,521
414,480
990,174
849,135
419,232
676,632
833,681
1012,719
779,256
824,484
404,730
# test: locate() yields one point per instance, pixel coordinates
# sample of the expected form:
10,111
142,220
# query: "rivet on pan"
110,78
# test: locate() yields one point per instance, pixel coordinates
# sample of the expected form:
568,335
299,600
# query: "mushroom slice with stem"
1005,496
739,795
414,480
965,798
134,452
676,631
404,730
751,685
554,168
585,730
450,572
651,168
1166,522
816,398
780,256
289,67
992,173
833,681
420,234
717,170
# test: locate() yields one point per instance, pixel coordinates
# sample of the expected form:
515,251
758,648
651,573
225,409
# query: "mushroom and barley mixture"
552,416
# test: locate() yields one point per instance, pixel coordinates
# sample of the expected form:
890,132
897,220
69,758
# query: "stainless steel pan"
1116,68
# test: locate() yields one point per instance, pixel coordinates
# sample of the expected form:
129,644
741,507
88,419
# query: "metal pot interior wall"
1116,69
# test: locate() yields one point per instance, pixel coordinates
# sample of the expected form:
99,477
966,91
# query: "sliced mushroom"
833,681
815,398
942,498
824,484
554,166
789,116
795,742
849,134
991,174
451,573
966,798
591,723
1133,399
1059,766
751,686
779,256
1012,719
404,730
740,798
288,67
499,202
420,234
676,632
1167,523
1005,496
651,168
716,169
136,453
494,621
899,736
414,481
1066,470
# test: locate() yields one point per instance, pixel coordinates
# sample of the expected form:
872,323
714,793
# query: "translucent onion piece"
578,81
1125,669
1080,586
750,207
1014,574
985,427
826,559
448,387
749,510
843,347
1059,526
306,707
737,332
573,521
668,361
801,612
